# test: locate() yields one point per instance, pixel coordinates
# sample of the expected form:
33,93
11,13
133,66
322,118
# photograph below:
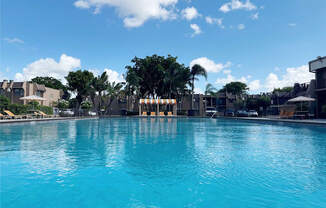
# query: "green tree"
86,105
52,83
113,91
99,85
80,83
62,104
4,102
156,76
210,90
236,88
284,89
195,72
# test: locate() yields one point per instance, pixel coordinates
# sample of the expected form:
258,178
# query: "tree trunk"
192,93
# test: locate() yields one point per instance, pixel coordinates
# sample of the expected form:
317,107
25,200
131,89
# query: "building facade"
15,90
318,66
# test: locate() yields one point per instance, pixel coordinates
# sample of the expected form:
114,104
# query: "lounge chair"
44,115
153,114
162,114
144,114
13,116
290,114
2,116
170,114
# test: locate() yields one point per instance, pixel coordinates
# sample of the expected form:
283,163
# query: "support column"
139,108
175,109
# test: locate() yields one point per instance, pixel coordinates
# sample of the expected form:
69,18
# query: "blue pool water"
143,162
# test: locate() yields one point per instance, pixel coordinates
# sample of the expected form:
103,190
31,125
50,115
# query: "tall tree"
195,72
236,88
52,83
156,76
210,90
99,85
113,91
79,82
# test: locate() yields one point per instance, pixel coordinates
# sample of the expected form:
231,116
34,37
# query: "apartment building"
15,90
318,66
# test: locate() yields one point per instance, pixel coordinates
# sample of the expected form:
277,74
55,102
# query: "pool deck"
321,122
6,121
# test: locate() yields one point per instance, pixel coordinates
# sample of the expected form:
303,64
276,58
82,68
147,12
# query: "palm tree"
196,71
210,90
113,91
99,85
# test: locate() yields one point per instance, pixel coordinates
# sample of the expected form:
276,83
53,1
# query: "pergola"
158,103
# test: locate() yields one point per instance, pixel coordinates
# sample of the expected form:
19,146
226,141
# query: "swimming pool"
175,162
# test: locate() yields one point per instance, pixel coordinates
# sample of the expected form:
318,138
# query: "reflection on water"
126,162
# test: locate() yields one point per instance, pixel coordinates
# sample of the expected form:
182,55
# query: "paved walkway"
306,121
43,119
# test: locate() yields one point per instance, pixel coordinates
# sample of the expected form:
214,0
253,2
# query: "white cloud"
14,40
198,91
134,13
229,78
114,76
190,13
293,75
241,27
255,16
82,4
254,85
49,67
211,20
237,5
196,29
292,24
210,65
227,71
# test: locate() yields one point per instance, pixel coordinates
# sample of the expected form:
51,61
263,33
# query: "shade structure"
301,99
158,101
33,97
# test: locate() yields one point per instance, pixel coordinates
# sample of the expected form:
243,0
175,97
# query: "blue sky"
264,43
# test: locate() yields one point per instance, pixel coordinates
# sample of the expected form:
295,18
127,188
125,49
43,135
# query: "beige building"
15,90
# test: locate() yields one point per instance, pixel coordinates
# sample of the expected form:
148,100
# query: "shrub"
17,109
63,104
86,105
4,102
46,109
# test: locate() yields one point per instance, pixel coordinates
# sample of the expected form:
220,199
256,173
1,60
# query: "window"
39,93
18,92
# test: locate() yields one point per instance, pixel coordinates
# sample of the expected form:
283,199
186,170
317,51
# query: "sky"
266,44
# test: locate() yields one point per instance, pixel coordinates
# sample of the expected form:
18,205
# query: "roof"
319,63
40,87
18,85
301,99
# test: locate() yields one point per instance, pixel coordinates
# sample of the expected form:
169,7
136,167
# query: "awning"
158,101
301,99
32,97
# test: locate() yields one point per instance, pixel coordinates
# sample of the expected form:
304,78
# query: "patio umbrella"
301,99
32,98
